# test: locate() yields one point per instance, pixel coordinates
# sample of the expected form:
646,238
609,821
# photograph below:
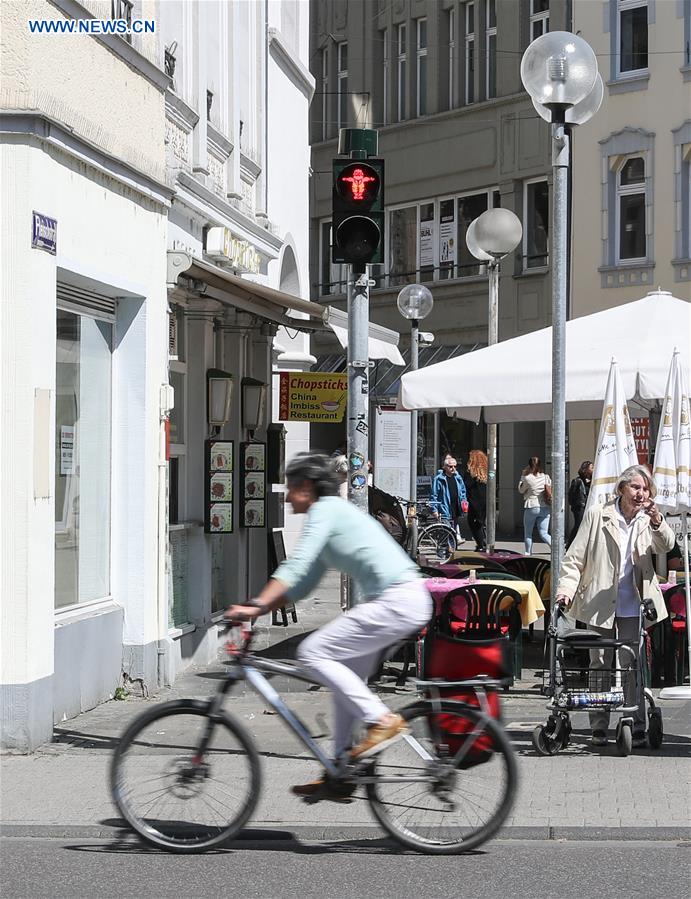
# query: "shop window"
421,67
539,18
535,224
403,230
631,230
177,377
82,458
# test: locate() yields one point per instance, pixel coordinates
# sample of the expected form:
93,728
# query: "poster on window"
447,238
66,449
427,235
218,501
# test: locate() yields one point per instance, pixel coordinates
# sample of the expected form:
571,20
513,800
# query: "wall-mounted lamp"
253,399
219,394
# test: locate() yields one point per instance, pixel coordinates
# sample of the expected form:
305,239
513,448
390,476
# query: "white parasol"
616,448
672,475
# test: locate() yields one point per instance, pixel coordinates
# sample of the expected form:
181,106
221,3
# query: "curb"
339,832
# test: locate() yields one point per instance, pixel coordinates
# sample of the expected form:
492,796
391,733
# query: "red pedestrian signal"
358,212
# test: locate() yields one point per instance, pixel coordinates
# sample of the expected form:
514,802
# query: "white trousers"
345,652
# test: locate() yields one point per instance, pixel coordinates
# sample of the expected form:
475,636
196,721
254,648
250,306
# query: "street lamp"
559,71
414,303
491,237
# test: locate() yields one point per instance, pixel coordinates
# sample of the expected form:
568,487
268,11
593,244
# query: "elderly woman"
606,574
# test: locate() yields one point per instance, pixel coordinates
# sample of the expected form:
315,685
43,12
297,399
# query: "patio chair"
530,568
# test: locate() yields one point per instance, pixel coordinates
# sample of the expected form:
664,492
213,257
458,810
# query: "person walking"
448,497
475,480
536,488
579,489
344,652
606,573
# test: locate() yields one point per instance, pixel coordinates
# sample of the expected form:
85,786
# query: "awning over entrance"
277,306
385,379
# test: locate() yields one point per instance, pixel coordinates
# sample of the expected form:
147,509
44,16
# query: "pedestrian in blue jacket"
448,497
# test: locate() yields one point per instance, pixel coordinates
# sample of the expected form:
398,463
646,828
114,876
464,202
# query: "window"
342,85
122,10
632,53
325,93
539,18
470,207
386,86
177,377
682,202
452,57
82,458
402,246
470,53
401,42
631,210
491,52
421,73
535,224
427,233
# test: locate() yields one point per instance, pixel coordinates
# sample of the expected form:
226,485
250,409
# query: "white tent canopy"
512,380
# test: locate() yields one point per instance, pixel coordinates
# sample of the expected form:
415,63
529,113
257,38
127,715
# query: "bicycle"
177,766
436,540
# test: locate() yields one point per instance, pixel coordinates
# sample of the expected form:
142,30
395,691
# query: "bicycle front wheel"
448,785
175,796
437,542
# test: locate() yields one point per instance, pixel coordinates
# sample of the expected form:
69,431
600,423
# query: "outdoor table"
530,608
499,555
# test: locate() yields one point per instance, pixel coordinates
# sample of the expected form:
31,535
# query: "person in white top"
606,573
536,488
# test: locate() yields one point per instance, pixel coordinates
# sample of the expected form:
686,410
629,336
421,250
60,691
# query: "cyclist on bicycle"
346,651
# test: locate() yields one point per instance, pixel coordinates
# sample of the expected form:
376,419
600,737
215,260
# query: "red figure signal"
358,182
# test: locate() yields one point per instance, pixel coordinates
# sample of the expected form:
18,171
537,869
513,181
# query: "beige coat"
590,570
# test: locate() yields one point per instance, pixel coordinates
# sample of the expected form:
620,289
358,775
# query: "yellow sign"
312,396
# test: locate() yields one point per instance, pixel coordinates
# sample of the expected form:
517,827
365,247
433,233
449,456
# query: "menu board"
219,462
253,485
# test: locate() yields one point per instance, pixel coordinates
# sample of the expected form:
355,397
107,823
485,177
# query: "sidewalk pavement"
582,793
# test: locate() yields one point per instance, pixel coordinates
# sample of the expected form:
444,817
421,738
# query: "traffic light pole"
358,397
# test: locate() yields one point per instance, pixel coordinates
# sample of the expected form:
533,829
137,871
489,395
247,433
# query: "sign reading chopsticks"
312,396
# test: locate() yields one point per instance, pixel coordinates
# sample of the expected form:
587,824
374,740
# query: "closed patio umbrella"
616,448
672,475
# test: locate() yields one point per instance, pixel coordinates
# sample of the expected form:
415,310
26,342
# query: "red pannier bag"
451,658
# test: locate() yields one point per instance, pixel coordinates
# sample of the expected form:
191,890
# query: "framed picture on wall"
253,485
219,460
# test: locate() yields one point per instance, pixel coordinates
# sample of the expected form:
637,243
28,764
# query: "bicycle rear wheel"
174,797
437,542
441,794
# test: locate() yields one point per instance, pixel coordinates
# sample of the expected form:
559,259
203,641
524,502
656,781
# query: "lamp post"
491,237
414,303
559,71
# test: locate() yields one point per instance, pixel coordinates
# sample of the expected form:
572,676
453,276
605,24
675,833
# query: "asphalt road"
72,869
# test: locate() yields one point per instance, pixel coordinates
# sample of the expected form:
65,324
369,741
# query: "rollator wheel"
545,744
624,739
655,729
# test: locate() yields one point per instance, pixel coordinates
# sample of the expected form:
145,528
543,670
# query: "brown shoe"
379,736
322,788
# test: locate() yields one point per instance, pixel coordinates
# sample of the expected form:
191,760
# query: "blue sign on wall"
44,233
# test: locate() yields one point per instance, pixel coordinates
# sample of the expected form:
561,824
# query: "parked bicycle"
186,775
436,539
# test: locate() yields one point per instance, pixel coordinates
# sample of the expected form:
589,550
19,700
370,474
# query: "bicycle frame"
252,669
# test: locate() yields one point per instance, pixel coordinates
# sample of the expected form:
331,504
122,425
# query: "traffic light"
358,211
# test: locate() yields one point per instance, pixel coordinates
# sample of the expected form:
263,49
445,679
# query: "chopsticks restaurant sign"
312,396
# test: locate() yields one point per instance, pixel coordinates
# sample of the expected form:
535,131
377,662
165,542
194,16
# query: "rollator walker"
572,687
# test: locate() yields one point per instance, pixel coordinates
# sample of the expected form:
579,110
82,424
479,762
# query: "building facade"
440,81
149,242
632,165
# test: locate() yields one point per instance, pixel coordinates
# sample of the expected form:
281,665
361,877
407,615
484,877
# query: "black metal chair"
491,611
530,568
